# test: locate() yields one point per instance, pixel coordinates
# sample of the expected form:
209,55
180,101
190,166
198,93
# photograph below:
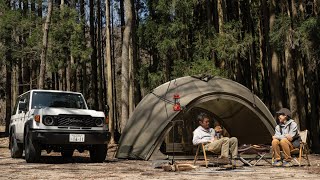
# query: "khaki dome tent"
240,112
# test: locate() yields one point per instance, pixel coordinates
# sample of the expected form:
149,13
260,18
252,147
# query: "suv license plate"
76,138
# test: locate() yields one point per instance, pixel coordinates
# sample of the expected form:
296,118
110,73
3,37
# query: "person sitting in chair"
286,137
205,134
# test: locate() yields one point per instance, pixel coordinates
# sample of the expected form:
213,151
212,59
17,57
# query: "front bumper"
51,137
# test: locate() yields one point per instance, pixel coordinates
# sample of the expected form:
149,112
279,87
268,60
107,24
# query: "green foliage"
309,38
19,34
279,32
229,45
203,66
170,33
66,38
9,21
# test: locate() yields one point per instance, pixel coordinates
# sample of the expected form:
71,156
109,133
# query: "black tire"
16,149
98,153
32,149
67,153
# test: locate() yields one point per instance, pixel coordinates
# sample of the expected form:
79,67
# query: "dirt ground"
53,166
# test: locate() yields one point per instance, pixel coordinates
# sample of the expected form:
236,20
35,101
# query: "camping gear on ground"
259,151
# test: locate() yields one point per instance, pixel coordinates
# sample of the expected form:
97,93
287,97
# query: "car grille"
74,120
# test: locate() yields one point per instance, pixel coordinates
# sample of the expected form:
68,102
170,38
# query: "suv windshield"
57,99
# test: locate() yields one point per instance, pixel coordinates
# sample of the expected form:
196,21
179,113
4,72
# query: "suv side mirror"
106,109
22,106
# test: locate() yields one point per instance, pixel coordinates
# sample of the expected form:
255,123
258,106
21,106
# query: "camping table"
260,151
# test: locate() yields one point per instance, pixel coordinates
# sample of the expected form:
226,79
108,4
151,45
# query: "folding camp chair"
202,148
300,152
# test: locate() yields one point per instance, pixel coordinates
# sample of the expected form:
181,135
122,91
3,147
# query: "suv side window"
27,99
24,98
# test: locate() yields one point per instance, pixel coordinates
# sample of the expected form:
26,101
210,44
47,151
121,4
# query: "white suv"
57,121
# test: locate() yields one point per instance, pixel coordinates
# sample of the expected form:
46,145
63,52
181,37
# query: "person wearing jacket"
286,138
205,134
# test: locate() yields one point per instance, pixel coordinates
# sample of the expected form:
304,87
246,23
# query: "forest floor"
53,166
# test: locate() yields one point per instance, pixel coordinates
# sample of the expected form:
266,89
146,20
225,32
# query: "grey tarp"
243,114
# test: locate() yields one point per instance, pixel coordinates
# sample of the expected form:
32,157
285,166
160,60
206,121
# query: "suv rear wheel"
16,149
32,149
98,153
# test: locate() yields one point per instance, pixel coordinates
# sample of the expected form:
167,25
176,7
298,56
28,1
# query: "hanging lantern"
176,106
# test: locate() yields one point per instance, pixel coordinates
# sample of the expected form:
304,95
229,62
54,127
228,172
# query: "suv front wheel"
32,149
16,149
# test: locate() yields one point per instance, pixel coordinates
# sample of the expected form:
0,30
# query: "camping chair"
302,151
204,154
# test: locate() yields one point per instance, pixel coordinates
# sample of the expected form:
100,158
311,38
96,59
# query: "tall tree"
83,70
8,94
109,73
125,63
290,66
275,83
45,46
264,61
94,76
99,48
40,8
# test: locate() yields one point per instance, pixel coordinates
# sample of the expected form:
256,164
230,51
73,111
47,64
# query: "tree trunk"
209,13
74,76
68,75
32,7
220,15
94,75
122,21
40,7
136,63
220,5
134,89
263,39
19,83
125,64
313,84
116,110
100,79
290,66
8,94
302,100
83,71
26,75
291,78
275,81
131,79
316,7
33,77
108,72
43,56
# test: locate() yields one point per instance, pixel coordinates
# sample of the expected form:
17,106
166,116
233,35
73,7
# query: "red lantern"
176,106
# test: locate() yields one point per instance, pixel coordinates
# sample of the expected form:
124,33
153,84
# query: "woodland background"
116,51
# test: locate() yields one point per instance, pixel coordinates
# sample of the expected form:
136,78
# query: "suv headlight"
48,121
99,122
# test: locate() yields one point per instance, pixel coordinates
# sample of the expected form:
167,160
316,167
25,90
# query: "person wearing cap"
286,138
208,136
